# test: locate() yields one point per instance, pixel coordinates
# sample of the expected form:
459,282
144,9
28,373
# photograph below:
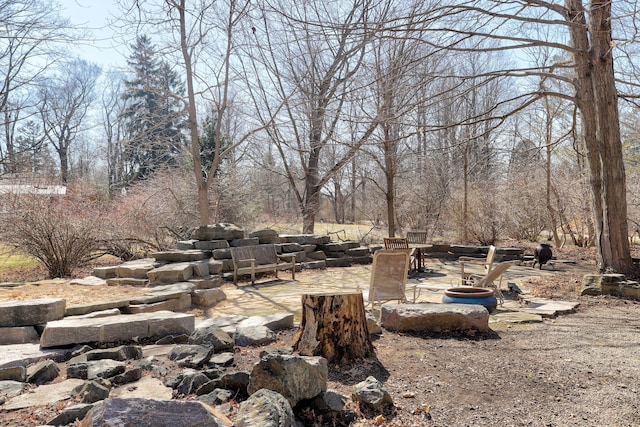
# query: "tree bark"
598,104
334,327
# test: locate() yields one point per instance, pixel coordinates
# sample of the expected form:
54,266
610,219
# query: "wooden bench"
260,259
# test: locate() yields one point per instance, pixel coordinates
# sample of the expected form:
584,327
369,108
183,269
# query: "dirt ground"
580,369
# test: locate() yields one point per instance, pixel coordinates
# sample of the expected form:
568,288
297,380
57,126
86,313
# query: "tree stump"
334,326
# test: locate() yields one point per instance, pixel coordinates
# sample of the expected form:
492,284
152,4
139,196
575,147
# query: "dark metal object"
542,254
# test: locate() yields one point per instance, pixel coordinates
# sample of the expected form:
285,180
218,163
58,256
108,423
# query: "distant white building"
44,190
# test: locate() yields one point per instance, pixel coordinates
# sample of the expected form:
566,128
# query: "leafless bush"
152,215
485,219
527,215
62,233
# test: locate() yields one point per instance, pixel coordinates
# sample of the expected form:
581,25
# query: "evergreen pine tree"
155,118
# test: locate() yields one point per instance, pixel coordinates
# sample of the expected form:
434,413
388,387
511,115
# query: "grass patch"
11,258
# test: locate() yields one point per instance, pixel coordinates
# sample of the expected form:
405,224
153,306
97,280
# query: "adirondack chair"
492,278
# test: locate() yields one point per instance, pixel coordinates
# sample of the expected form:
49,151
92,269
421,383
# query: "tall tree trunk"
201,181
598,103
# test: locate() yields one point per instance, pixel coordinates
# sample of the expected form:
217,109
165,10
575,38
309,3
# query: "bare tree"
31,34
307,56
65,99
582,30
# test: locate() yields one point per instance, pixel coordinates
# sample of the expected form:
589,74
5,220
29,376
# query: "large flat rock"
116,328
31,312
432,317
27,354
171,273
43,395
18,335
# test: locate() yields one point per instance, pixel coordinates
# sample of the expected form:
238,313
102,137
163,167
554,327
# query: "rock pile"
187,379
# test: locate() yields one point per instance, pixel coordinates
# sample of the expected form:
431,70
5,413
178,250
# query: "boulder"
295,377
217,397
265,408
266,236
253,241
191,355
95,369
104,273
254,335
121,353
13,373
371,393
191,382
207,297
212,336
31,312
43,372
11,388
70,415
92,391
158,413
433,317
236,381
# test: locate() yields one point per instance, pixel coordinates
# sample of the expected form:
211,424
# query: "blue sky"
105,49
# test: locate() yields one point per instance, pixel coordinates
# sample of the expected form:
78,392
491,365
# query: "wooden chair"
419,255
395,243
417,236
486,262
400,244
489,279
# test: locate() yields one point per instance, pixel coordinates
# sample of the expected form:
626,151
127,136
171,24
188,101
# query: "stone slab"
27,354
515,317
174,304
146,387
77,310
44,395
136,269
116,328
89,281
549,308
433,317
18,335
128,281
108,272
182,256
164,293
31,312
171,273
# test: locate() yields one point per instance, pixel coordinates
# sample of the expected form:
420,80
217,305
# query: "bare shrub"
485,221
527,215
152,215
62,233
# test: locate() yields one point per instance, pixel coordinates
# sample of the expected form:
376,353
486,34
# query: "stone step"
31,312
182,256
77,310
124,328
